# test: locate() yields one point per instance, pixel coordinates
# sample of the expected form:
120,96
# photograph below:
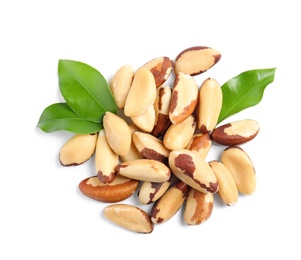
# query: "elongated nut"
150,192
129,217
183,98
193,170
236,133
227,190
169,203
210,101
118,190
144,170
142,93
133,153
196,60
161,68
177,136
200,143
198,207
105,159
117,132
150,147
241,168
78,149
161,106
120,84
146,120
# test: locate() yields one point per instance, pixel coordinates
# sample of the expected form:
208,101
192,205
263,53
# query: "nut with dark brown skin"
193,170
161,68
241,168
196,60
183,98
236,133
198,207
118,190
169,203
78,149
200,143
129,217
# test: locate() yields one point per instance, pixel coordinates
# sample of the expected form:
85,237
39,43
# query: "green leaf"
60,116
244,90
85,90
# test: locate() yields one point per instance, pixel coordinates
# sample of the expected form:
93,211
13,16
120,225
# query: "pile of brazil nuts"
158,143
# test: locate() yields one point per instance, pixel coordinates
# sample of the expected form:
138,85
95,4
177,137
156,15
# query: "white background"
44,215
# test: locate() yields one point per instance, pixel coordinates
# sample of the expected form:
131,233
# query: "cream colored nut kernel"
169,203
129,217
161,68
150,192
117,132
142,93
120,84
150,147
210,101
161,106
177,136
118,190
236,133
193,170
227,190
78,149
198,207
196,60
145,121
144,170
200,143
183,98
133,153
105,159
241,168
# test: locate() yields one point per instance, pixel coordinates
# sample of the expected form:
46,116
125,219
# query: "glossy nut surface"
142,93
236,133
161,68
227,190
144,170
150,147
183,98
120,84
129,217
241,168
78,149
193,170
196,60
177,136
210,101
150,192
117,132
198,207
105,159
200,143
161,106
169,203
118,190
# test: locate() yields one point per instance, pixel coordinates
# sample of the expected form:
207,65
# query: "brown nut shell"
196,60
241,168
198,207
236,133
118,190
78,149
129,217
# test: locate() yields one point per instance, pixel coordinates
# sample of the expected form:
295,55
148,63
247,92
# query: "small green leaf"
60,116
244,90
85,90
